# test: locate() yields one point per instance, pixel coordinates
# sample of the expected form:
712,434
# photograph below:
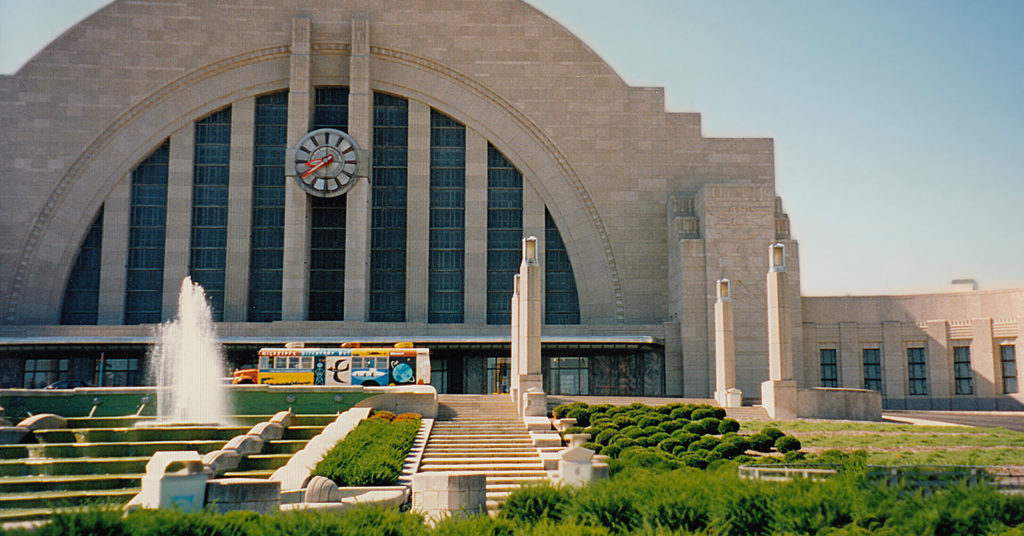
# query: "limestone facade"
652,213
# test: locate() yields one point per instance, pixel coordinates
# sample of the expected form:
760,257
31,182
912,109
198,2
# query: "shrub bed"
371,454
673,435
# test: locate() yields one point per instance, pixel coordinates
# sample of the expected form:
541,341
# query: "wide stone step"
64,498
32,484
107,450
496,456
458,464
255,462
507,473
74,466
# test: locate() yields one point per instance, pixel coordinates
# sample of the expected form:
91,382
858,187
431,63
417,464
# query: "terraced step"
122,435
38,483
55,499
255,462
104,450
260,473
75,466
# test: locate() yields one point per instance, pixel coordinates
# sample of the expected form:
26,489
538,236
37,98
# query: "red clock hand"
319,164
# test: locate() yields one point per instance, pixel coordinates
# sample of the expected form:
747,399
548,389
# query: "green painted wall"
115,402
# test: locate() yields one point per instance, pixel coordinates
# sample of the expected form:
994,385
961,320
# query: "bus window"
293,362
280,362
307,362
264,362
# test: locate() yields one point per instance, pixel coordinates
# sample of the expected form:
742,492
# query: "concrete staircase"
483,434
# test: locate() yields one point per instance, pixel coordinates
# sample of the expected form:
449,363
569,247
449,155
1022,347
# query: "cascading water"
187,363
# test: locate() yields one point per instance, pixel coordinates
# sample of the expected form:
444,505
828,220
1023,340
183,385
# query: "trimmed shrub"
667,409
685,438
383,414
624,442
651,419
621,421
704,443
612,450
581,414
571,430
694,428
675,513
750,514
728,425
787,443
371,454
592,446
669,445
653,439
729,449
605,437
632,431
773,433
702,413
612,507
401,417
646,458
532,503
670,426
680,413
761,442
692,459
616,410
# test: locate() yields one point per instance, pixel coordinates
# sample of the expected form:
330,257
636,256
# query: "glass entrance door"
497,374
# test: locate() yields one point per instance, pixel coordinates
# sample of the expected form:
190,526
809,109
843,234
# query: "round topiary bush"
621,421
682,412
631,431
670,426
384,415
694,428
685,438
710,424
693,459
653,439
704,443
651,419
605,437
666,409
612,450
773,433
573,430
728,425
730,449
651,430
669,444
702,413
624,442
561,410
581,414
761,442
787,443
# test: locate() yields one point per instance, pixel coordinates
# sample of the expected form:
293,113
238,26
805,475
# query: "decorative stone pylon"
531,381
726,393
514,390
779,393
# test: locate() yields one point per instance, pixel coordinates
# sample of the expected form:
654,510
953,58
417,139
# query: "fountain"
187,364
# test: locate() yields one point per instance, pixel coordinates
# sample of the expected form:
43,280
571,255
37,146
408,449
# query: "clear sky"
898,124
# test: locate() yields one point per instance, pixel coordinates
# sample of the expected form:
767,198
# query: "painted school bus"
350,365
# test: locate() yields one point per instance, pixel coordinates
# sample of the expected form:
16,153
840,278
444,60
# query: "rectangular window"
829,370
446,276
210,172
388,208
327,258
439,375
962,373
917,371
143,302
42,372
873,369
561,304
82,292
267,239
569,375
1008,359
118,372
504,234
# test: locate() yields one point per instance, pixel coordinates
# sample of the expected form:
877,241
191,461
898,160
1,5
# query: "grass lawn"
895,443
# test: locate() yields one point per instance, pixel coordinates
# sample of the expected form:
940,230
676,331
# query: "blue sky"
898,124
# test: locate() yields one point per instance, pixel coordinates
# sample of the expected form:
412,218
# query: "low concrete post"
535,403
439,494
577,440
575,467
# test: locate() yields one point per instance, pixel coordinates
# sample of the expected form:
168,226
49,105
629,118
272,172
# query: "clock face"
325,162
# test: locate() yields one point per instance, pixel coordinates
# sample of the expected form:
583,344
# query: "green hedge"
371,454
646,502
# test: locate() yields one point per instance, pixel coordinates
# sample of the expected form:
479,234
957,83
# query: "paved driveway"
1014,420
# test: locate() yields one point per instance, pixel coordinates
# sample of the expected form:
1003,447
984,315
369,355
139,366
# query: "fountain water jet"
187,363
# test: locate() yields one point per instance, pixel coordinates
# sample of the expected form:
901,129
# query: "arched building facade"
150,143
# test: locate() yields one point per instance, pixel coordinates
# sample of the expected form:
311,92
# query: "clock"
325,162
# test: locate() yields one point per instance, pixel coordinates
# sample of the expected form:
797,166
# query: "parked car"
68,384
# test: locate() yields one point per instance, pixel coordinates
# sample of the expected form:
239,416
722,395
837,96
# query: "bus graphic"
352,365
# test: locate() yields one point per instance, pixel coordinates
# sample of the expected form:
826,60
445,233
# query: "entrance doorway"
498,374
